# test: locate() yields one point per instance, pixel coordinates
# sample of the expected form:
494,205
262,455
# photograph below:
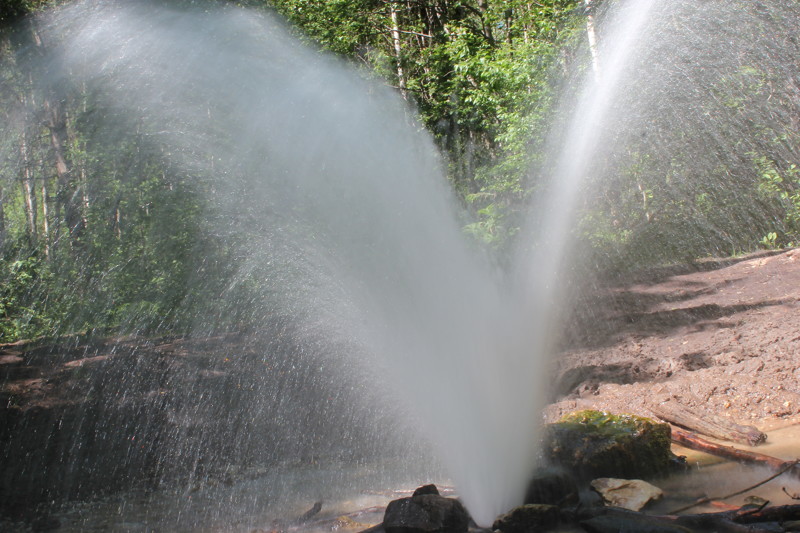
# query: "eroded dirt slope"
723,337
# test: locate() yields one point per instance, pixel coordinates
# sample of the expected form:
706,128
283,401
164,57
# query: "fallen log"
708,424
692,441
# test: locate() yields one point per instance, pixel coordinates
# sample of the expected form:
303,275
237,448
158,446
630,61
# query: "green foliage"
13,10
478,75
146,257
22,288
482,77
769,241
781,185
341,26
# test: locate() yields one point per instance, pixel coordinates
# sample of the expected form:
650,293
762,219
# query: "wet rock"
596,444
552,486
426,512
311,513
528,518
426,489
631,494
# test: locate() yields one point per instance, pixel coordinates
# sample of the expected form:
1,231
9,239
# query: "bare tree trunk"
45,219
398,51
28,187
483,7
509,16
592,36
2,217
67,197
84,198
66,193
117,221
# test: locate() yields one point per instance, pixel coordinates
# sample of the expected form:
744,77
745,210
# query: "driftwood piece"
692,441
708,424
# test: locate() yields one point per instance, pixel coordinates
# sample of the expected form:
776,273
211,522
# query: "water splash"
347,218
339,215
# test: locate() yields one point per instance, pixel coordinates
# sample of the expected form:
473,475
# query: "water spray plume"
331,182
333,204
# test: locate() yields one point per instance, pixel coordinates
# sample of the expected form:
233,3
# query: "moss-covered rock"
598,444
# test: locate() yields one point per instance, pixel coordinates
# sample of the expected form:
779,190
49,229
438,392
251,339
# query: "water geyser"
333,203
339,202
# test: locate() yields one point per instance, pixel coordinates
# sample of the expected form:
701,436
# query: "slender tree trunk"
66,195
592,36
84,198
45,219
2,217
398,51
645,201
509,16
28,187
483,7
118,222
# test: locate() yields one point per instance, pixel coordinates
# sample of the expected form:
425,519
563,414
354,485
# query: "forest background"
104,234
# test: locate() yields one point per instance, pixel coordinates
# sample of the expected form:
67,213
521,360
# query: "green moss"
600,444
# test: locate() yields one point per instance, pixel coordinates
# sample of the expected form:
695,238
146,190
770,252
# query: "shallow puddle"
715,478
274,500
282,495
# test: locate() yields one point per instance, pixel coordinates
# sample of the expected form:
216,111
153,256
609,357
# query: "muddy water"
248,502
264,503
713,477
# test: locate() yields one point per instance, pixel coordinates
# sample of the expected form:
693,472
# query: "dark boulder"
528,518
426,512
552,486
426,489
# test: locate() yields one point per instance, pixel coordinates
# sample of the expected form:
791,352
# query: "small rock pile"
582,447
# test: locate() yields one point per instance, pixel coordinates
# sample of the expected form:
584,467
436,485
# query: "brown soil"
721,337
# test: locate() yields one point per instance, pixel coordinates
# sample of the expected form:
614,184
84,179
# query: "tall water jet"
343,237
344,217
543,264
680,128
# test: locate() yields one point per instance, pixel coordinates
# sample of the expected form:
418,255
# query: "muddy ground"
720,336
